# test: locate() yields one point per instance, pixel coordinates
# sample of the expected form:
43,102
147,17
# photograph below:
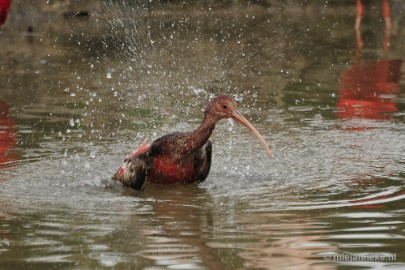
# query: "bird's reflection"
387,19
189,228
177,231
369,89
7,137
4,8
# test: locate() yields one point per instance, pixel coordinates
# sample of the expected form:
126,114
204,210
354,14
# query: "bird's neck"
196,139
190,142
204,131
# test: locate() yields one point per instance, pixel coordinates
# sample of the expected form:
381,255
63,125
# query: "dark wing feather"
132,173
202,162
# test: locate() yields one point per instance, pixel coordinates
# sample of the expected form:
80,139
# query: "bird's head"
222,106
225,106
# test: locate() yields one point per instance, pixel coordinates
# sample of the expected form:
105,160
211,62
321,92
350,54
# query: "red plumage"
181,157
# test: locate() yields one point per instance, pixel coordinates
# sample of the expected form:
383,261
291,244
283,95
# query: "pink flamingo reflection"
4,7
370,87
369,90
7,137
387,18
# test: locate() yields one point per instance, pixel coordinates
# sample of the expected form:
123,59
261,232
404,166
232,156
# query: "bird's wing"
202,162
132,173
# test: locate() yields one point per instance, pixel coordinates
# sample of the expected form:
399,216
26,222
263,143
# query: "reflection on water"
386,10
4,8
78,95
370,89
7,136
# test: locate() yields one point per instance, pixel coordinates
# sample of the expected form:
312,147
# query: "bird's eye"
225,107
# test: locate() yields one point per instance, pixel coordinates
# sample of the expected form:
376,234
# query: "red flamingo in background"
4,7
181,157
369,89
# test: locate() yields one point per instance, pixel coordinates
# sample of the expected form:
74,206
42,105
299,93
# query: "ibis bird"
181,157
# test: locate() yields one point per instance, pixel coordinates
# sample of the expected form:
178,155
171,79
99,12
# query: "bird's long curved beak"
238,117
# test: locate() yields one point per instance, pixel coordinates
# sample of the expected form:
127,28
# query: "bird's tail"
132,172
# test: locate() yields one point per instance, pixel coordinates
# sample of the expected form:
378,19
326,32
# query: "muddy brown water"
78,94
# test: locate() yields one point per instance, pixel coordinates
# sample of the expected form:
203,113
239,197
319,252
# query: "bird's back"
166,161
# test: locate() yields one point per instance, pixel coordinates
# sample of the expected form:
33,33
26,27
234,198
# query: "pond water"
80,91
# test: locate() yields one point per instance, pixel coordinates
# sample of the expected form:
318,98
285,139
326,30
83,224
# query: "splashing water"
150,69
